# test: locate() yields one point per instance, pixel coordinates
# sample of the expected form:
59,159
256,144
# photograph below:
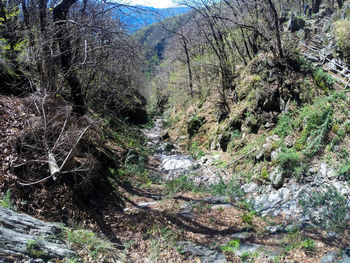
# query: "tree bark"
188,62
277,28
60,13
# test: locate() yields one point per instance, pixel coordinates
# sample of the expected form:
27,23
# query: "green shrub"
248,217
319,120
285,125
289,160
231,189
305,65
195,151
181,183
231,246
323,80
344,170
332,206
342,36
88,241
6,200
308,244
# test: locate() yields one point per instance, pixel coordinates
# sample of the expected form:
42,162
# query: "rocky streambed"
316,199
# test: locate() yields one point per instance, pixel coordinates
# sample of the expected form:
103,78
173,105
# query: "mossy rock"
194,124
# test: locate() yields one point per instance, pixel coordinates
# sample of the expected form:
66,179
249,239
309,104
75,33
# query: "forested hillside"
218,135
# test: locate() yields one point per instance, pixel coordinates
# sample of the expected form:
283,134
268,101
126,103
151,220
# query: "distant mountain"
138,17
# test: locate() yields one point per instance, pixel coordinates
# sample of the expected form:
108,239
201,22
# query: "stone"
205,254
175,162
165,135
250,188
289,141
295,23
224,140
323,170
247,248
16,231
274,154
275,229
216,200
221,115
260,156
277,179
331,174
194,124
241,235
330,257
221,206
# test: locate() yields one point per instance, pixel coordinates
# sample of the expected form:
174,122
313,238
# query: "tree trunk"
188,62
277,28
60,13
316,6
340,3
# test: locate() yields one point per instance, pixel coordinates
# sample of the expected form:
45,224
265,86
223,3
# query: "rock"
205,254
253,124
194,124
241,235
295,23
277,179
330,257
165,135
176,162
250,188
345,256
274,154
19,230
224,140
260,156
167,147
235,123
276,229
331,174
271,103
323,170
221,115
221,206
268,125
247,248
214,200
289,141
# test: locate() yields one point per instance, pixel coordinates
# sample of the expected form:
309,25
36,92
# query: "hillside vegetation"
217,135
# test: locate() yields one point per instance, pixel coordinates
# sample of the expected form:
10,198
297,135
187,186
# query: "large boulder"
23,236
296,23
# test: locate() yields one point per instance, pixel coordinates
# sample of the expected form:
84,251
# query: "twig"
71,150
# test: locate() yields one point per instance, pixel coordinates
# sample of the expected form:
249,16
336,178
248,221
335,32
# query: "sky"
154,3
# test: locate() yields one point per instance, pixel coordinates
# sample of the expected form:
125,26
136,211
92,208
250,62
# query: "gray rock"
330,257
260,156
250,188
248,248
345,256
216,200
241,235
323,170
295,23
221,206
277,179
18,230
205,254
175,162
275,229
